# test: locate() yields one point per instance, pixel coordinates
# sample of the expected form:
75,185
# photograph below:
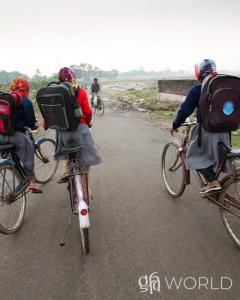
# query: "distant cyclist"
95,89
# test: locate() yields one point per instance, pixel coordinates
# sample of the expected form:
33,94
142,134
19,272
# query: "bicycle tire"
173,191
85,240
9,211
225,199
84,233
44,171
100,108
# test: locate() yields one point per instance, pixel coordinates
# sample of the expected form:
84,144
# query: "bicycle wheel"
45,165
11,215
173,170
100,108
84,231
230,198
85,240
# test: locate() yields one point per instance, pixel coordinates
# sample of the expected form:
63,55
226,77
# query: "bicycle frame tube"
182,153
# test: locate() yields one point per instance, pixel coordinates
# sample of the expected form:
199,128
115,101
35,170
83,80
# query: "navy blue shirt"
25,117
188,106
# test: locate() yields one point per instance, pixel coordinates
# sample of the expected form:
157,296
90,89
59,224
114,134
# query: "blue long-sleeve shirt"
25,116
188,106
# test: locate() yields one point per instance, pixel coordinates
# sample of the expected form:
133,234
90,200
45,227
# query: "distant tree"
7,77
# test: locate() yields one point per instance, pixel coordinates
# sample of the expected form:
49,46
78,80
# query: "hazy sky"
123,34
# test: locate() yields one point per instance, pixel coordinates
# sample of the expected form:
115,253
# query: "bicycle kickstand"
62,244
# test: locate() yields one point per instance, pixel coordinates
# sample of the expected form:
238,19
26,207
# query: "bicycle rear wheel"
11,214
82,185
84,231
45,165
85,240
230,198
173,170
100,108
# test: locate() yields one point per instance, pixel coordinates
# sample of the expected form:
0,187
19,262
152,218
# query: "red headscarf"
20,85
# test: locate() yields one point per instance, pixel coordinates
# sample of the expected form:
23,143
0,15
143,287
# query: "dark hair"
95,79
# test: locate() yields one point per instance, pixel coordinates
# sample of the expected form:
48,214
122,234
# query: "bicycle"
176,177
79,194
13,180
99,106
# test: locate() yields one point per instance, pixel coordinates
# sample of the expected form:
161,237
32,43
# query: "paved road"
136,230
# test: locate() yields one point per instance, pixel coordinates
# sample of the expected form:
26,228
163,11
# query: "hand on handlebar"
172,130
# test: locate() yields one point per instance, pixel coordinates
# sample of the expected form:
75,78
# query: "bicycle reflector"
84,211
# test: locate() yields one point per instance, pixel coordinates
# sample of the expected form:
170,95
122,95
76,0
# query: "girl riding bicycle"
25,118
203,156
81,136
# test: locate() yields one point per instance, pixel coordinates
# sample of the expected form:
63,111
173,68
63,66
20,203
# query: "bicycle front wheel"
11,213
100,108
230,198
45,165
173,170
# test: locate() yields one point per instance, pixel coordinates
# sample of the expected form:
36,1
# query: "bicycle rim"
11,215
45,165
230,197
173,170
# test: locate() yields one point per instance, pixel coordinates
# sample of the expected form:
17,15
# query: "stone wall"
175,87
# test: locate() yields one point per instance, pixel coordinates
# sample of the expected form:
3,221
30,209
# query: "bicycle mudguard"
39,140
83,215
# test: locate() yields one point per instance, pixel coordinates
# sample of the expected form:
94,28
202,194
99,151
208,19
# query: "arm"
188,106
29,115
85,106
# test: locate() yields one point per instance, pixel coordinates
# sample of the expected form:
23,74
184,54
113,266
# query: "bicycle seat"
228,151
71,149
7,147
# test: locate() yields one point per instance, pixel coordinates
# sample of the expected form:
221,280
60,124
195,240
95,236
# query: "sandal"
63,179
34,187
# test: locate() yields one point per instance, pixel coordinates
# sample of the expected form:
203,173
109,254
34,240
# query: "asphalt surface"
136,230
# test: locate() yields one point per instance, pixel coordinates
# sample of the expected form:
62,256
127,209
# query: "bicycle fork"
83,211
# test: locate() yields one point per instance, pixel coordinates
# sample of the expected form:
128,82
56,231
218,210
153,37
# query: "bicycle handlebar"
189,123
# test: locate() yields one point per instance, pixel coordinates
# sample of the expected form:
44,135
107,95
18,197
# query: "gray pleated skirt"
207,154
81,136
24,150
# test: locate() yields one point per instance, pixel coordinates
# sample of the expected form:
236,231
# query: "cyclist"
95,89
25,118
202,157
80,136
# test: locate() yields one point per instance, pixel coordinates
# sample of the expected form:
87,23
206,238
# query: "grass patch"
236,139
163,114
149,96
